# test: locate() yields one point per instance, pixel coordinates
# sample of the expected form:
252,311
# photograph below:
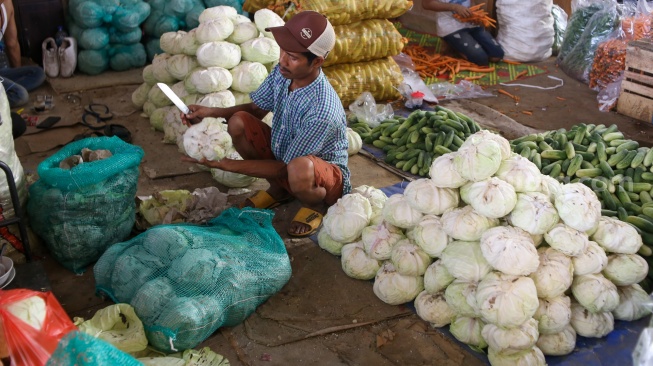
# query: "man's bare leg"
301,177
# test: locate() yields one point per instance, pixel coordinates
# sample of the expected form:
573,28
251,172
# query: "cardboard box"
636,98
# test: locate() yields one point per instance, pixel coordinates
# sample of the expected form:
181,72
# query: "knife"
173,97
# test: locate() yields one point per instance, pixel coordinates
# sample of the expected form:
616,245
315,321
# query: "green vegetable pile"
412,143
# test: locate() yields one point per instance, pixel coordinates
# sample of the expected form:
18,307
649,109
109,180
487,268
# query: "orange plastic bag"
27,344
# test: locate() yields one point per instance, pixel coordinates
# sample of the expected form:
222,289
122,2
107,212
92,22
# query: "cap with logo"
307,31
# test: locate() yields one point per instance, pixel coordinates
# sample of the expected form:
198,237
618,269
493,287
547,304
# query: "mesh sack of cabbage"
80,349
379,77
186,281
82,211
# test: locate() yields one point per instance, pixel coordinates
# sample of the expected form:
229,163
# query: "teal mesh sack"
128,17
125,57
186,281
178,8
86,14
129,37
80,212
93,38
80,349
93,62
237,4
153,48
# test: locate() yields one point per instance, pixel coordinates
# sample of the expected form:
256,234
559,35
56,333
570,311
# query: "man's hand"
461,10
196,115
207,163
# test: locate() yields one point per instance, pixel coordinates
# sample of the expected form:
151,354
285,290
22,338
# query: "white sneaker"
50,59
67,57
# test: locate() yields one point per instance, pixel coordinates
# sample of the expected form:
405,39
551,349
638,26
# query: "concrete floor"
341,319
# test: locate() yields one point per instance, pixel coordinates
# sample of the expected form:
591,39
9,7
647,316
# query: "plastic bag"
118,325
366,110
414,83
526,33
609,61
32,344
9,157
464,89
364,41
80,349
559,26
580,16
404,61
607,97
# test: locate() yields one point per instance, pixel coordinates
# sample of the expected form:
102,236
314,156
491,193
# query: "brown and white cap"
308,31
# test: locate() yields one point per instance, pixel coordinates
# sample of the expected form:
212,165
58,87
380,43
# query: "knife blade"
173,97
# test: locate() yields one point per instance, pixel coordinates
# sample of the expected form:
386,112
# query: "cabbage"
326,242
155,209
461,297
188,43
398,212
156,96
191,98
239,18
534,213
231,179
394,288
567,240
197,268
241,98
261,49
160,69
266,18
626,269
444,174
356,263
589,324
464,260
512,340
243,32
483,135
119,325
434,309
208,80
493,197
554,275
140,95
521,173
220,53
553,315
203,357
437,278
429,235
409,259
179,89
506,300
207,140
181,65
173,129
376,197
347,218
424,196
466,224
510,250
248,76
617,236
634,303
595,292
31,310
533,356
380,239
148,75
214,30
217,12
558,344
592,260
468,330
550,187
479,161
157,117
170,42
354,141
578,206
221,99
148,108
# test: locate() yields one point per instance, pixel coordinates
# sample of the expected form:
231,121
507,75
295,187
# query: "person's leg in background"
490,45
18,124
19,81
463,42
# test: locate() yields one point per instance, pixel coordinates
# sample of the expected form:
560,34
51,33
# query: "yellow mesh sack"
364,41
379,77
338,11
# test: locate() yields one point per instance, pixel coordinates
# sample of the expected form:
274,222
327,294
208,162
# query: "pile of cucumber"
413,142
618,170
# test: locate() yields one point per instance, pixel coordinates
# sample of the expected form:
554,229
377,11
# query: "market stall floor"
321,317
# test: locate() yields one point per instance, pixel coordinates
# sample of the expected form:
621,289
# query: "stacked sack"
108,33
365,41
216,64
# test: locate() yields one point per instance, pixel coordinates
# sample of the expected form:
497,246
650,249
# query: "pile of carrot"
609,63
429,64
637,27
479,16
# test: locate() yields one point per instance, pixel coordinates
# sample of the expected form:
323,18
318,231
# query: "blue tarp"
615,349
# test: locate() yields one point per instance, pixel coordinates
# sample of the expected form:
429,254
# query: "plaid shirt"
306,121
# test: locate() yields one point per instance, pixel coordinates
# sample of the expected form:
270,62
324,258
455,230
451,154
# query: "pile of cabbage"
216,64
509,258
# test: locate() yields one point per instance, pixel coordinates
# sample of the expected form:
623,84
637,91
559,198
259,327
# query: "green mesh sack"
186,281
125,57
80,212
80,349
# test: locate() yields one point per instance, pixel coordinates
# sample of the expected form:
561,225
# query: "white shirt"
446,23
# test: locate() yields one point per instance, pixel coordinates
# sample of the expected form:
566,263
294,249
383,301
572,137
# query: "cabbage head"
468,330
534,213
444,174
595,293
398,212
461,297
509,341
189,43
558,344
181,65
554,275
437,278
617,236
567,240
478,162
217,12
626,269
430,235
465,223
221,99
590,324
394,288
464,260
248,76
409,259
533,356
483,135
578,206
261,49
553,315
424,196
356,263
265,18
346,219
219,53
634,303
170,42
243,32
506,300
434,309
214,30
510,250
140,95
521,173
208,80
380,239
326,242
592,260
493,197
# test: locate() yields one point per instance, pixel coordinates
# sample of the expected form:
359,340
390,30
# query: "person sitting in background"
17,80
473,42
304,154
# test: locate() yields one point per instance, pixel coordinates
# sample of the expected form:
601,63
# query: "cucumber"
607,170
574,165
648,159
616,158
600,151
627,145
570,150
625,162
553,155
640,223
622,195
610,136
639,158
588,173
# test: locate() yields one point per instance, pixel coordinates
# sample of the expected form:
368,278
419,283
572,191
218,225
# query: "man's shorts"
327,175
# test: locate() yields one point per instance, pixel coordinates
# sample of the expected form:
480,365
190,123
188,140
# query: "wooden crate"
636,98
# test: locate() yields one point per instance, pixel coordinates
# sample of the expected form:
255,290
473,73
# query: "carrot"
523,73
528,113
512,62
501,91
474,77
560,98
